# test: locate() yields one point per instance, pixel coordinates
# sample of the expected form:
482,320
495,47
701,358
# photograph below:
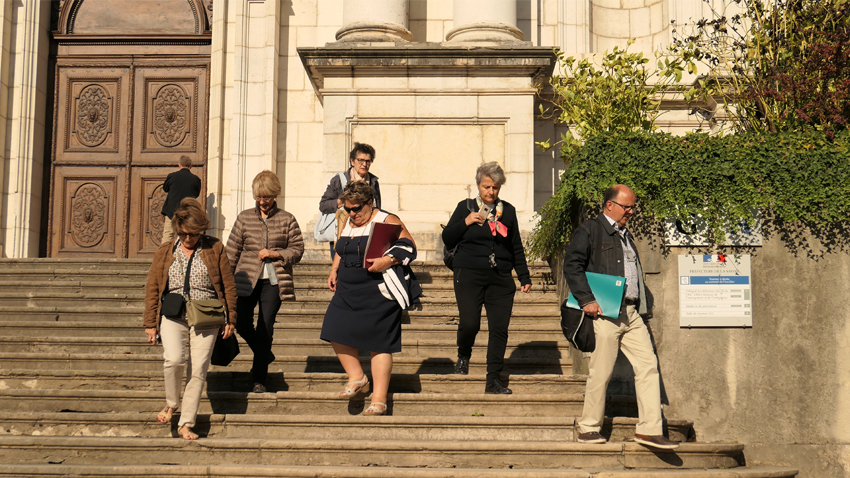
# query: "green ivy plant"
796,178
623,93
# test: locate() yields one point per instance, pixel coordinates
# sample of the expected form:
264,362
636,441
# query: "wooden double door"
120,128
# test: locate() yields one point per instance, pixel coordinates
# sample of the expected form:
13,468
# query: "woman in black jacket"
486,233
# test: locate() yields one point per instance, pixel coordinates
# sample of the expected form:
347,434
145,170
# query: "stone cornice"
343,60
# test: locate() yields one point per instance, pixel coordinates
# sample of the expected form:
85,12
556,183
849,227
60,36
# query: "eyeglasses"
367,162
265,198
188,234
632,208
354,209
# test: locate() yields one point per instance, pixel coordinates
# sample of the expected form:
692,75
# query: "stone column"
374,21
491,21
646,21
25,49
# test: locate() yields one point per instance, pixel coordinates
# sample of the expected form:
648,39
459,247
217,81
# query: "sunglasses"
355,209
188,234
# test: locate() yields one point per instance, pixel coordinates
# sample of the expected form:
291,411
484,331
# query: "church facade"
99,99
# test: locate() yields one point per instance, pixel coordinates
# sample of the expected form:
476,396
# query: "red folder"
381,238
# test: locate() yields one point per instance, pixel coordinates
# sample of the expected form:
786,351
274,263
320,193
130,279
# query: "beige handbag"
205,313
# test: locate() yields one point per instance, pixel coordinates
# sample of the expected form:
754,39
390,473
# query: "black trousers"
259,338
495,290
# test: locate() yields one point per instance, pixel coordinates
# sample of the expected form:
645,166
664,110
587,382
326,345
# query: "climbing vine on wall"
793,177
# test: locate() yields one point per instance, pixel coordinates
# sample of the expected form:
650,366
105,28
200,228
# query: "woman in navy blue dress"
365,312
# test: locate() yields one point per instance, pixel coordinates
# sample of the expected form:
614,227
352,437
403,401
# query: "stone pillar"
374,21
491,21
253,121
23,56
613,24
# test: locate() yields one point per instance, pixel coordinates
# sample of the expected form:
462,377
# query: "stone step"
430,315
283,471
323,427
410,347
303,288
283,363
103,302
302,403
25,266
288,330
290,381
363,452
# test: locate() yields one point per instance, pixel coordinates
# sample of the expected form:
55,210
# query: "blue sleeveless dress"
362,313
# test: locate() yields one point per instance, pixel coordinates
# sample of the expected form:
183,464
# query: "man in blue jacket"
603,245
179,184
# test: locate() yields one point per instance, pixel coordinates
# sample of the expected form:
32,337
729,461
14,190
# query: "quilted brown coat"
218,267
250,235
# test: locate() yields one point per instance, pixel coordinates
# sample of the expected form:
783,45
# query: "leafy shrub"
793,177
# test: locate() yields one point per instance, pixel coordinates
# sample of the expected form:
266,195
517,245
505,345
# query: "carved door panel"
92,121
146,220
120,130
88,204
171,119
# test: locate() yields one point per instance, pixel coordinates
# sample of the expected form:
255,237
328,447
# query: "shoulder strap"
188,271
342,180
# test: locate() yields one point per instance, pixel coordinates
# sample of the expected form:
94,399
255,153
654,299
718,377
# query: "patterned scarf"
496,227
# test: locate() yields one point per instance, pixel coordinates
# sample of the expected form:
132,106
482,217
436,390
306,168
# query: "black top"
476,243
179,184
327,205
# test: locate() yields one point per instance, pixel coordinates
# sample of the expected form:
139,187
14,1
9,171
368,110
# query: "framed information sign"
715,291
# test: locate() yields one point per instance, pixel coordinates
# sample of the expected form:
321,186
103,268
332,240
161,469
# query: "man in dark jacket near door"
179,184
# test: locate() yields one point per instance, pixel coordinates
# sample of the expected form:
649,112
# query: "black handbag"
224,350
449,254
173,305
578,328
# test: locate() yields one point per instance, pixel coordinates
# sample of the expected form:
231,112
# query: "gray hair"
491,170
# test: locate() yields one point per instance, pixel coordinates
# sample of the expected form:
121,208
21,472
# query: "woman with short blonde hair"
264,244
266,184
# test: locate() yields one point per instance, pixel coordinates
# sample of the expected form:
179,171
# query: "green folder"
608,291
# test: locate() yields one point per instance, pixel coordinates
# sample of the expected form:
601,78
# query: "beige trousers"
167,232
176,336
631,336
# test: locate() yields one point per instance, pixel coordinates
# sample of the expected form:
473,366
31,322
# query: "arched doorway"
131,96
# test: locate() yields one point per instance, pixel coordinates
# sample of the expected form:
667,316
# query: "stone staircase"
80,389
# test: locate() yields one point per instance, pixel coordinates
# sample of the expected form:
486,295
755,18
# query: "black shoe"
462,365
259,388
495,386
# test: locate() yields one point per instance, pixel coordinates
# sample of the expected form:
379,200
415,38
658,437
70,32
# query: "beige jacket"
218,268
250,235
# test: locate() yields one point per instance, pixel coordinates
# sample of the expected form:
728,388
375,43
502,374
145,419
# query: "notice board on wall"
715,291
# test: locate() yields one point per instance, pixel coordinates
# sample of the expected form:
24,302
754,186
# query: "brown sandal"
165,415
186,433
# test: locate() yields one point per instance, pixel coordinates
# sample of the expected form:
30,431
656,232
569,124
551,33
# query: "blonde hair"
266,184
190,215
